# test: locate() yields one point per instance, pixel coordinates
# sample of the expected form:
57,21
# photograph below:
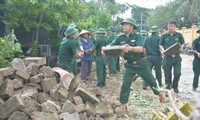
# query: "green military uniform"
136,63
154,57
196,61
172,60
67,51
112,60
100,60
144,35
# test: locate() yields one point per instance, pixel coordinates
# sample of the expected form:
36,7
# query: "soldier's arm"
182,42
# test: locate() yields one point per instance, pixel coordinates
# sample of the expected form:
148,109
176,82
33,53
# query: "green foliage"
185,12
8,50
34,51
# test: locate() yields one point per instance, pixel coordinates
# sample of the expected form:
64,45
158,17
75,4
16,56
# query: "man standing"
196,60
100,60
67,51
112,61
168,39
91,35
152,51
136,61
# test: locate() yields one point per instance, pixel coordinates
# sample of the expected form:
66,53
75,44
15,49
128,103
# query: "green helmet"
198,29
154,29
72,25
143,32
130,21
91,30
71,31
101,30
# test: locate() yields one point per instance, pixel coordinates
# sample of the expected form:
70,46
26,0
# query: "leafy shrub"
8,50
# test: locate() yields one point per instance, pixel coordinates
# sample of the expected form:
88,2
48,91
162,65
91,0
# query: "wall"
189,34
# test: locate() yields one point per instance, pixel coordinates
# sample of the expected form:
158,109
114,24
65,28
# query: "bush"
8,50
34,51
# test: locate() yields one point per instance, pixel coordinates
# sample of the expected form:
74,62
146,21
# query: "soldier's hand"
198,55
126,49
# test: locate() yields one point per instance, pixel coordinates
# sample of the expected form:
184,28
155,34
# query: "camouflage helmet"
143,32
154,29
101,30
71,31
130,21
91,30
198,29
111,28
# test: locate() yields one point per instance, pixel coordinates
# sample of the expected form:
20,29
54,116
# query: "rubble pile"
29,90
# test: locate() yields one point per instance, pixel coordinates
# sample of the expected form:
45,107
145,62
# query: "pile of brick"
29,90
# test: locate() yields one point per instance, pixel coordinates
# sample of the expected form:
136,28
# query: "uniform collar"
173,34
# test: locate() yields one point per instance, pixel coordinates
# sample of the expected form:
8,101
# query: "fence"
189,34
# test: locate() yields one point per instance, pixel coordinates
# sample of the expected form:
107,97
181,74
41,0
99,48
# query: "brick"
62,115
102,110
13,104
23,74
47,71
33,68
86,95
1,80
68,106
42,97
17,115
47,107
7,89
90,109
73,116
75,82
5,72
44,116
30,105
18,64
38,60
62,94
18,83
37,78
48,84
78,100
80,108
29,91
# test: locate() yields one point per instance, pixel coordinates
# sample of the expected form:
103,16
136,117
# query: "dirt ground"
142,102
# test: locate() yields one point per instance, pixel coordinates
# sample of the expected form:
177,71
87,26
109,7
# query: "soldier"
152,51
112,61
168,39
67,51
100,60
136,61
196,60
91,35
144,35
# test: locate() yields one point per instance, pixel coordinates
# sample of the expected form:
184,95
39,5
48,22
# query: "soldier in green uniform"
112,60
68,50
144,35
100,60
91,35
136,61
75,67
171,61
152,51
196,60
